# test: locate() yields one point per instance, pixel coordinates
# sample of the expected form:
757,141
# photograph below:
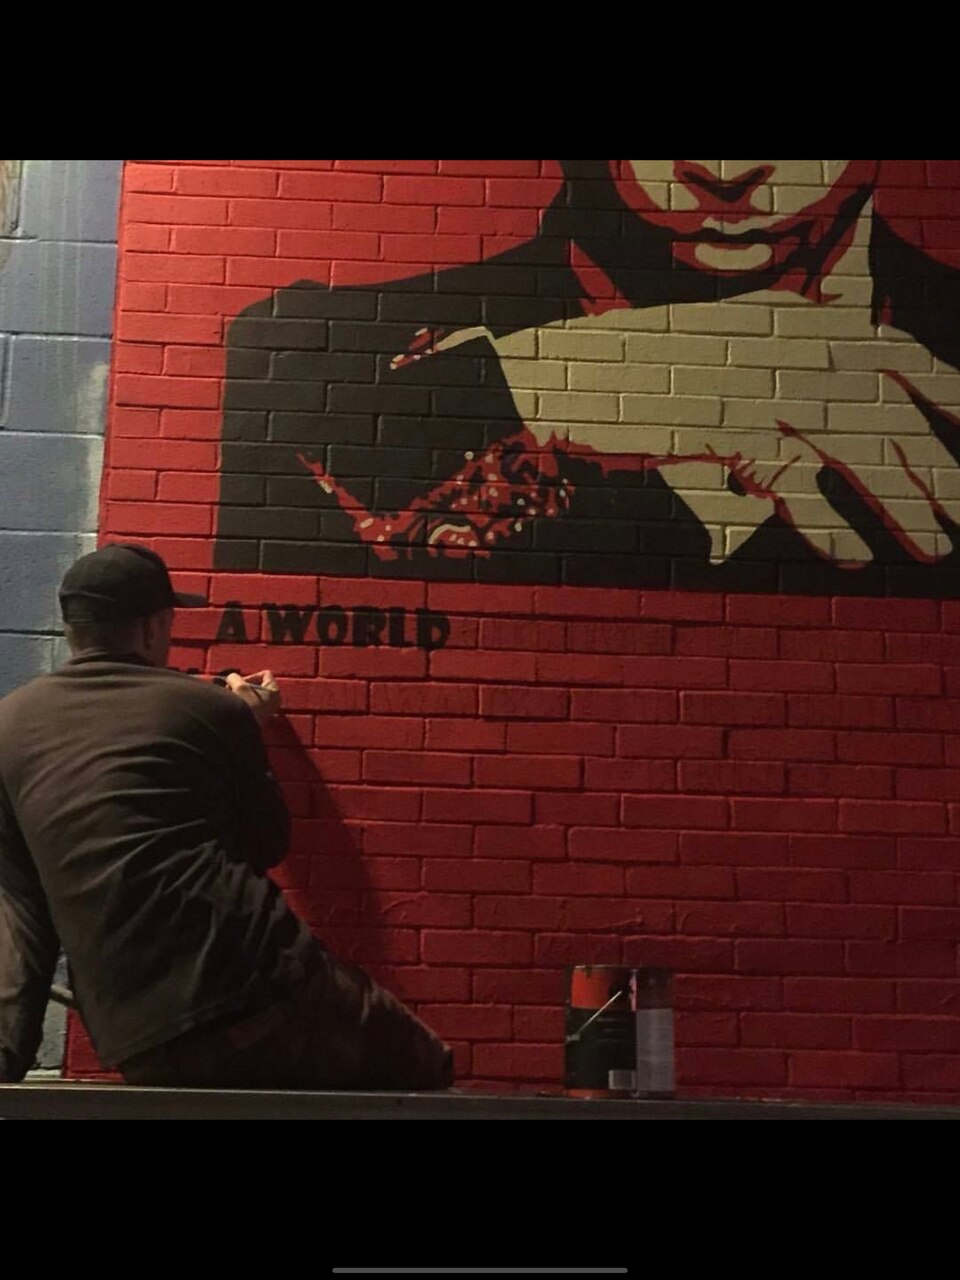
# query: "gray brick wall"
58,221
57,277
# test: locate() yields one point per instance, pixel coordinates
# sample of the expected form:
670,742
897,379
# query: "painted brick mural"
600,520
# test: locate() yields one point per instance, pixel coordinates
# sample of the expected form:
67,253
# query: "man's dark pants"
339,1031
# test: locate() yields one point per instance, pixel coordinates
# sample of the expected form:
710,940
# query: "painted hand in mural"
733,494
732,481
493,495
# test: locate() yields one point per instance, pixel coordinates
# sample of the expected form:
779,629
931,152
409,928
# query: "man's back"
143,800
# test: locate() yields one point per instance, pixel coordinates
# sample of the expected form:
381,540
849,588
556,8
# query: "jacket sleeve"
28,952
262,816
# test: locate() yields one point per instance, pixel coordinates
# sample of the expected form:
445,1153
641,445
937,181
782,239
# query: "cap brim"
187,601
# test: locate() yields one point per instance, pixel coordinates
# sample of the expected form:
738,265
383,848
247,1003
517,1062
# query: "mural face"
727,374
738,215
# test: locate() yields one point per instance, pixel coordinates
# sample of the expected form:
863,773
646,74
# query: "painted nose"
726,190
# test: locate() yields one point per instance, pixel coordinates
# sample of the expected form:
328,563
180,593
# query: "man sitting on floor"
138,819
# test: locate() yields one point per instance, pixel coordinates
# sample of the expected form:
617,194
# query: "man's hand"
259,691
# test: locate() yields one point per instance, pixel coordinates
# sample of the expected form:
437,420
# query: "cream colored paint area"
768,388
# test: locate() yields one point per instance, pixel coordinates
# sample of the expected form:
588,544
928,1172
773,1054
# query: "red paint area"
761,792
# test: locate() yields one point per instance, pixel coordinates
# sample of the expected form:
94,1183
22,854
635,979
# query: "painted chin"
734,240
730,256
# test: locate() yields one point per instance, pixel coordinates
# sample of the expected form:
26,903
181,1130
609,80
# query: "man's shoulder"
166,682
31,704
194,690
17,700
179,704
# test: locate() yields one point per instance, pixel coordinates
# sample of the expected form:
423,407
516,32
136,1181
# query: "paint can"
619,1033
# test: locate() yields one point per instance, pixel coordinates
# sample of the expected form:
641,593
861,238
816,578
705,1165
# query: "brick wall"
600,525
57,276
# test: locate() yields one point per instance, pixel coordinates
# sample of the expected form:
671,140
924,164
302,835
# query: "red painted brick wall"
760,791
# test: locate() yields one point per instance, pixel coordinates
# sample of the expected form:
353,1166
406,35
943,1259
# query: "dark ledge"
75,1100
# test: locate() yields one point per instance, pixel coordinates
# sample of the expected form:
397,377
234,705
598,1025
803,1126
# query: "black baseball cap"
118,583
